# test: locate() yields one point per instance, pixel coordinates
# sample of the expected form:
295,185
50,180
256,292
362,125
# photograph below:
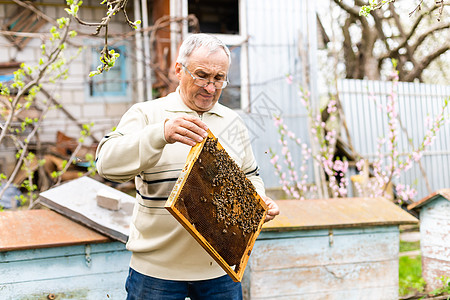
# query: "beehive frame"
194,204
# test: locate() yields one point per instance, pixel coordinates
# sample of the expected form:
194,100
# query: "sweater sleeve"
134,146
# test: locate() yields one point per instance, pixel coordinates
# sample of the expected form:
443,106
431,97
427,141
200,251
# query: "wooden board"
311,214
218,205
41,228
76,200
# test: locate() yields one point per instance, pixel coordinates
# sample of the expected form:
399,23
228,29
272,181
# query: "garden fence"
364,105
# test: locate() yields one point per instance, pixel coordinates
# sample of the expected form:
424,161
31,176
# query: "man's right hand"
185,129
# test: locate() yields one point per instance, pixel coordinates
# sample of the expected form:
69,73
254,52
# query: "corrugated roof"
31,229
442,192
337,213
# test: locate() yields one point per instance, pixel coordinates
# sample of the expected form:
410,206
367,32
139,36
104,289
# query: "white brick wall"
72,92
92,110
116,110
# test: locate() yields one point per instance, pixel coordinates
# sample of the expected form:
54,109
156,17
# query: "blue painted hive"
343,248
44,255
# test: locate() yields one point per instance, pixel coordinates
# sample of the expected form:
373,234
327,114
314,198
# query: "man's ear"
178,70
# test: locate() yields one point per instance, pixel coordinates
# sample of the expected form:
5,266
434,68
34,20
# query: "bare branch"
349,9
427,33
425,62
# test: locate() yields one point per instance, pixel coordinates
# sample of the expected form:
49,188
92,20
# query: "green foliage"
410,275
445,289
409,246
108,59
373,4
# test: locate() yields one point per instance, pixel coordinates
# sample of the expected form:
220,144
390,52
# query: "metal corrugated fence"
364,103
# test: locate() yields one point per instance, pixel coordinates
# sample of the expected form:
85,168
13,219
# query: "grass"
410,279
409,246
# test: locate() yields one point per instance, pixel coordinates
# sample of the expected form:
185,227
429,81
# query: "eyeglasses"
202,82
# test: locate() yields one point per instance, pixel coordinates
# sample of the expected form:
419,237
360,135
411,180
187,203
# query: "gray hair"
197,40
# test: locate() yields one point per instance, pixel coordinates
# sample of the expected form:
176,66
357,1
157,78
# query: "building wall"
72,93
279,45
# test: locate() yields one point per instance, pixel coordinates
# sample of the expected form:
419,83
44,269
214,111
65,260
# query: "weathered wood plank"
374,293
324,250
435,238
86,287
63,266
48,253
76,200
327,279
31,229
337,213
432,270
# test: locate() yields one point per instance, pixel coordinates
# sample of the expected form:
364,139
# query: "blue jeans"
142,287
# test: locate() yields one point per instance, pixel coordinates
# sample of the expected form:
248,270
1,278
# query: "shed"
345,248
44,255
434,214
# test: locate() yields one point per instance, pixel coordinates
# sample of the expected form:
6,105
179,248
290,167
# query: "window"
111,86
224,18
216,16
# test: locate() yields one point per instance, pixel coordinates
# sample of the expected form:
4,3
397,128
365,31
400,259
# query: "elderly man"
151,144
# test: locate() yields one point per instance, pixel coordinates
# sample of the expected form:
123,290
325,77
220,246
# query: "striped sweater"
137,149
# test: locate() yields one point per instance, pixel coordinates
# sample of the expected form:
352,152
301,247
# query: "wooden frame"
209,240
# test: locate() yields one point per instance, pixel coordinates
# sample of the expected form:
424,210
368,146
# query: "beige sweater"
137,149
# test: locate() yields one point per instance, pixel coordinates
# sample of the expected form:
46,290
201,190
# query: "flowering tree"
384,169
22,94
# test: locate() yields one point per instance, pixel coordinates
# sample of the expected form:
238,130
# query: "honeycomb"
219,206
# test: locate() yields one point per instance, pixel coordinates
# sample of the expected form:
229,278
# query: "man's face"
213,67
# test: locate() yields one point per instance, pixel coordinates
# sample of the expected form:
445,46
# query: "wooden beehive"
44,255
336,248
218,205
434,212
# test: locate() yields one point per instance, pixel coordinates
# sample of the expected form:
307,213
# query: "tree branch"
425,62
349,9
424,35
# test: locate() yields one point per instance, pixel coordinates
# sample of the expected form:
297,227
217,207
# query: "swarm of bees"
233,195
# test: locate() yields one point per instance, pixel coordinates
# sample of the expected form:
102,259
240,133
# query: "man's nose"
210,88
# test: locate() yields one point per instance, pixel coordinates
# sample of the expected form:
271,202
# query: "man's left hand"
273,208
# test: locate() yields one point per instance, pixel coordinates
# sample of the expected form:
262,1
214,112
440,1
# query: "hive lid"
31,229
337,213
443,192
76,200
218,205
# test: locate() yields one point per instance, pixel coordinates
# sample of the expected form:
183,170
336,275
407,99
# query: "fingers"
186,129
273,209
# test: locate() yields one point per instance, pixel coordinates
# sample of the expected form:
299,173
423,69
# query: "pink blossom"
416,156
289,79
277,121
274,159
339,166
360,164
